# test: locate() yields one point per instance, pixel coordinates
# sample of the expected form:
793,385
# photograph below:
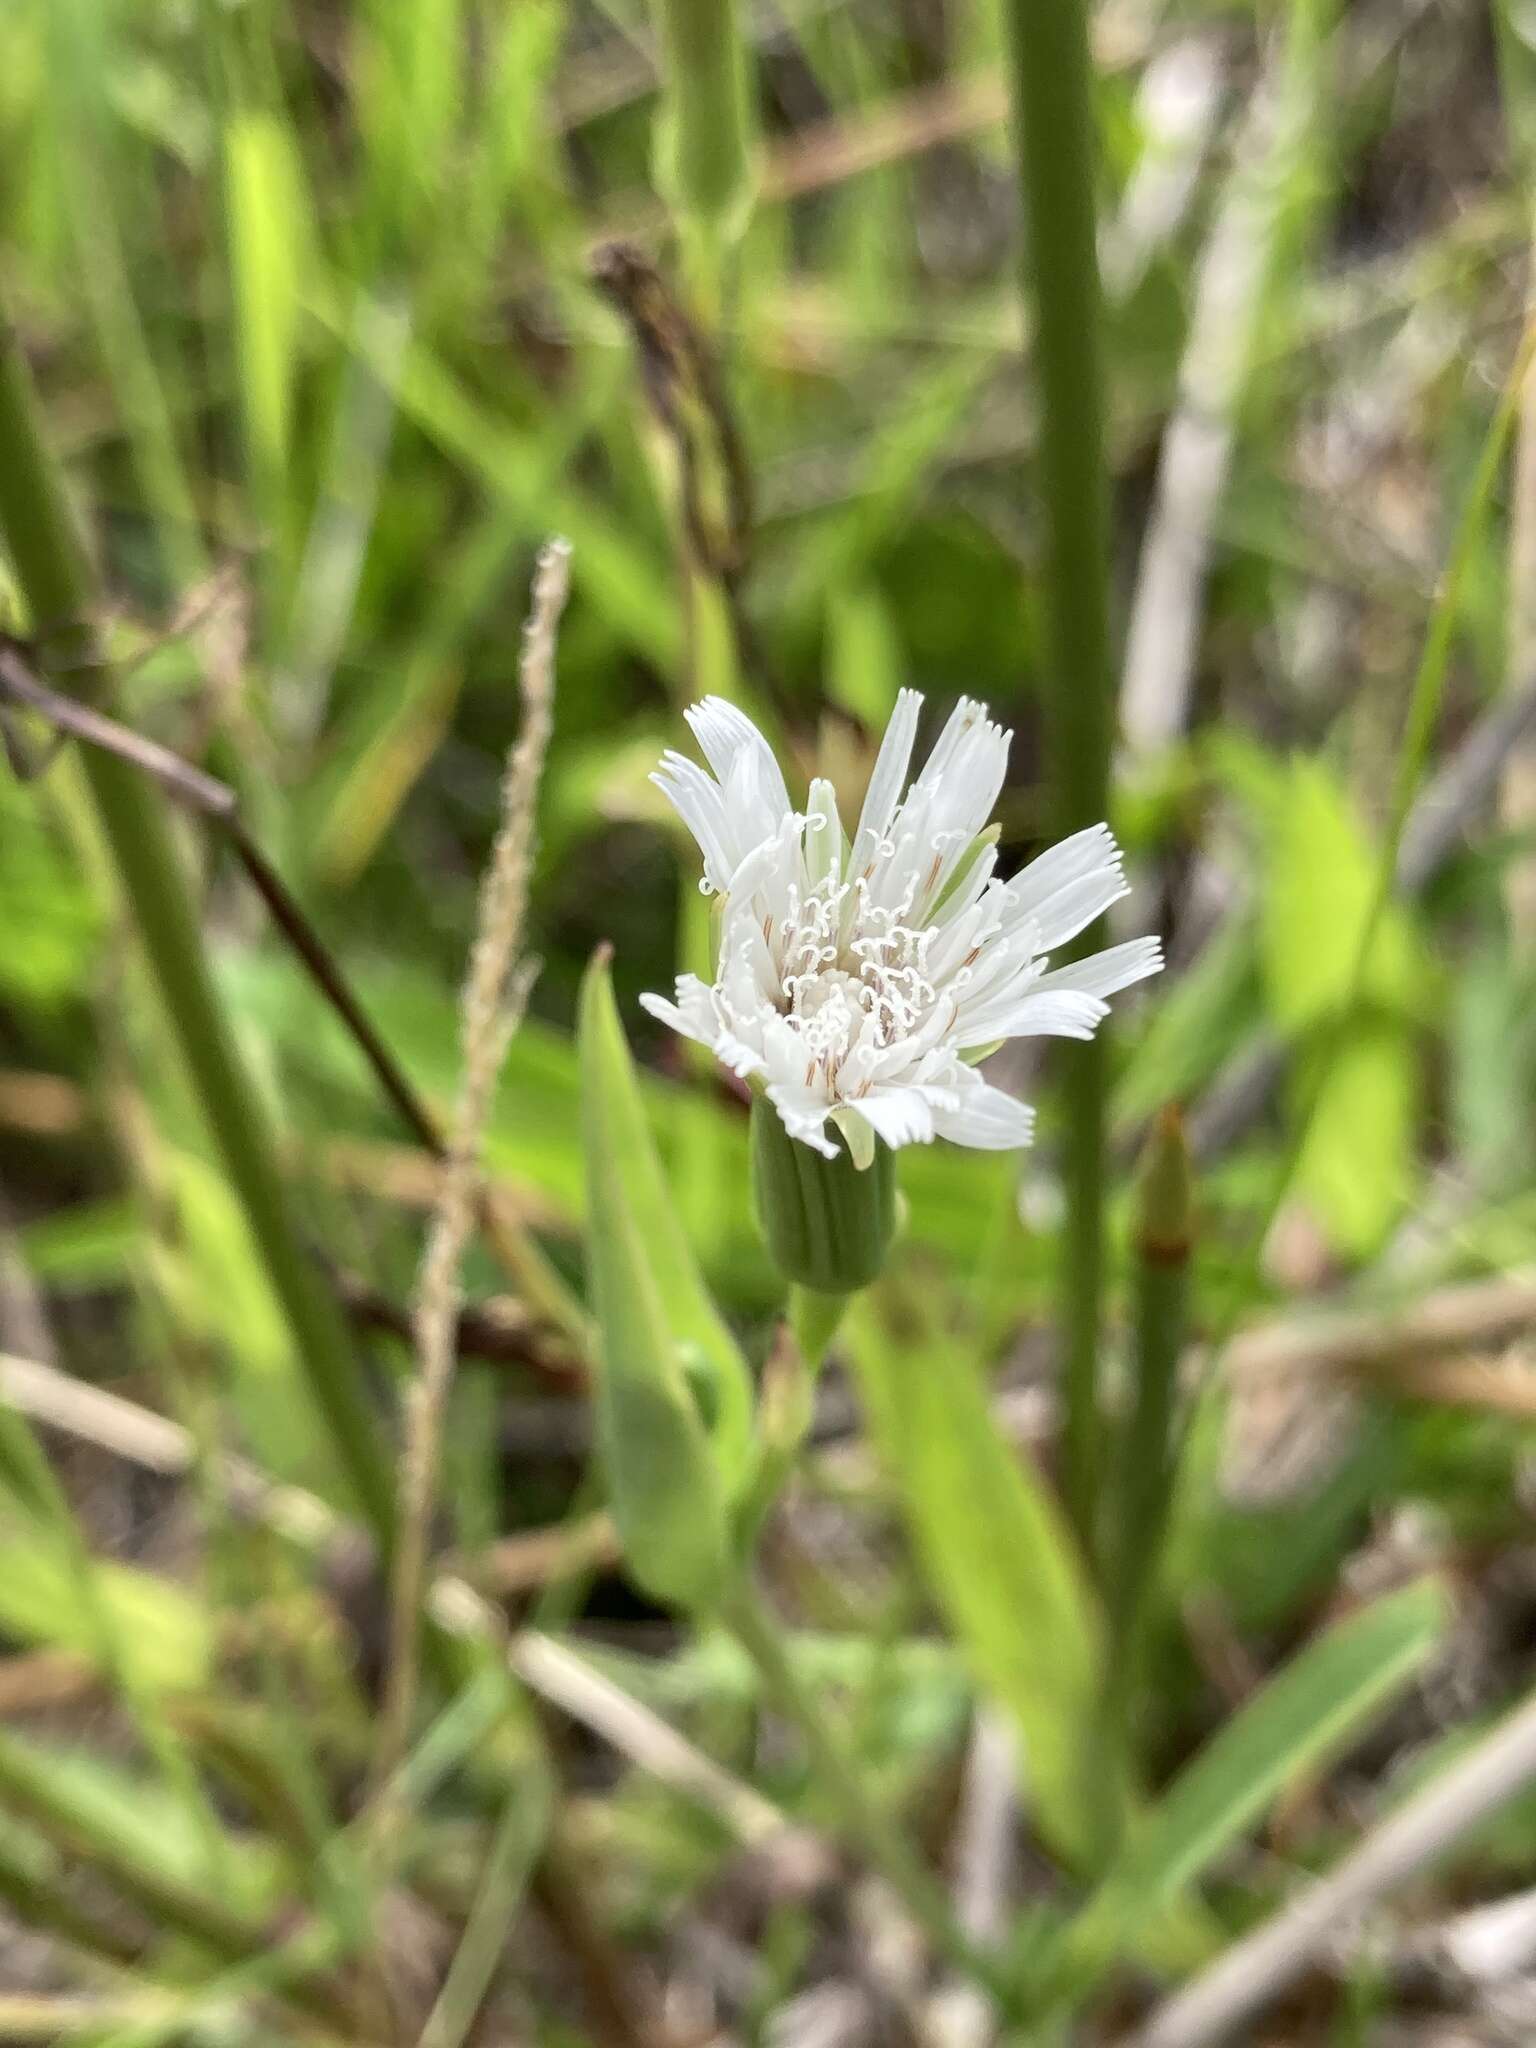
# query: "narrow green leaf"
267,213
864,668
1326,1692
711,1359
159,1630
658,1330
1319,885
509,1862
1357,1166
997,1554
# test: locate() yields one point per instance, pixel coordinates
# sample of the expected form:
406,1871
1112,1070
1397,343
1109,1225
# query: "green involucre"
827,1225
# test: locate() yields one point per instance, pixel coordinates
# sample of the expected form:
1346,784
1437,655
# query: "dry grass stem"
495,993
1468,1316
1166,614
591,1698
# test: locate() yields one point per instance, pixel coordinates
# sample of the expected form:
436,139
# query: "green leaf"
159,1631
44,894
863,659
661,1337
1319,884
997,1554
1357,1166
268,220
1323,1696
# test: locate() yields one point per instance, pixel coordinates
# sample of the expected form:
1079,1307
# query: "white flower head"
857,982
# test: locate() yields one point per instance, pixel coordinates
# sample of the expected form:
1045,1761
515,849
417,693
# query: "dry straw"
495,992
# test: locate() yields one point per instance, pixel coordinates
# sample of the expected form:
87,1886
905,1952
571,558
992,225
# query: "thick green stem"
706,157
867,1824
1148,1444
52,572
1051,78
814,1320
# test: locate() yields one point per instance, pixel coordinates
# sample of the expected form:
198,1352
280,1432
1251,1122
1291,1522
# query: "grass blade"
1051,80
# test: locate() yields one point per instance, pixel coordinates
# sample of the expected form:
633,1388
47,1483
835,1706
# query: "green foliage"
307,296
1320,878
1308,1708
998,1556
672,1396
163,1633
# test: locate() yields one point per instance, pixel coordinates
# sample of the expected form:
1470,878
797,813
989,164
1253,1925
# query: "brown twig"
688,399
1472,1315
498,1332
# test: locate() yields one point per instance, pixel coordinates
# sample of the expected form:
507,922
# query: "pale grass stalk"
495,992
1163,633
960,2015
1517,793
590,1697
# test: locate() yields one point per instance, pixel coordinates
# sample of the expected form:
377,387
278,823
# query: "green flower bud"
828,1224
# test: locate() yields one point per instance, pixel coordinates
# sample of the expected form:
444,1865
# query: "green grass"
307,352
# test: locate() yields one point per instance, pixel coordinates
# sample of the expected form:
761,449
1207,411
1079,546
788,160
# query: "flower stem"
1051,87
1148,1448
706,145
814,1320
51,569
867,1824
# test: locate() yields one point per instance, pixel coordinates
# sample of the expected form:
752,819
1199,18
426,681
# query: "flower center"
858,979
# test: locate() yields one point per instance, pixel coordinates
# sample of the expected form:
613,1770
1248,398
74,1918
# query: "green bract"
828,1225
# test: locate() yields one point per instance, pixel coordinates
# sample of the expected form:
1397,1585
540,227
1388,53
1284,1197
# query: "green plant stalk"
514,1847
34,1884
706,159
51,569
29,1788
25,1466
786,1406
813,1321
1148,1446
1050,73
867,1824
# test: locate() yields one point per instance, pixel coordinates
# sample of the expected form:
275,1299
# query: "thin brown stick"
517,1565
589,1697
1477,1383
494,996
499,1331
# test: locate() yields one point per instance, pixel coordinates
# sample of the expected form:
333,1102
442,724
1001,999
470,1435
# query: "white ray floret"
855,979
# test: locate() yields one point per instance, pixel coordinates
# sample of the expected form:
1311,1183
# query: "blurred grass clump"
1150,1568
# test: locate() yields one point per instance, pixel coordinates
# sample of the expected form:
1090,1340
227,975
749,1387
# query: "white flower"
857,983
